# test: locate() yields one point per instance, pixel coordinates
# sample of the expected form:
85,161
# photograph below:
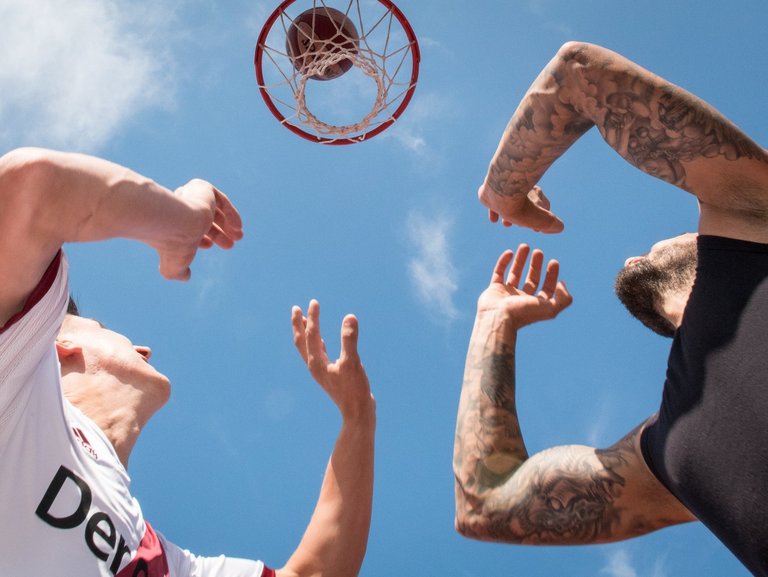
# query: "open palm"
525,304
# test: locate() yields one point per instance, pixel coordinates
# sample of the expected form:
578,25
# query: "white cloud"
619,564
599,423
410,129
209,272
431,271
258,12
544,9
74,72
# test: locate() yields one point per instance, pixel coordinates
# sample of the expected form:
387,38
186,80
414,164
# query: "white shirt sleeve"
182,563
26,339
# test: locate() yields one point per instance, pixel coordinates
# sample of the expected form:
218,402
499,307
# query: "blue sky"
389,229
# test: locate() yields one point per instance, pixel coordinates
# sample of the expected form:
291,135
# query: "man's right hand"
49,198
215,222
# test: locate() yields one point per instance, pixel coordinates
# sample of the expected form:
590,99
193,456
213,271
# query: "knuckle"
315,364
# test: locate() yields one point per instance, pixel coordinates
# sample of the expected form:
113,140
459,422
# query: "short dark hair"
72,307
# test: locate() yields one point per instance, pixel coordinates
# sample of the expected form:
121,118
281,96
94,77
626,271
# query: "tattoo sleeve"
654,125
564,495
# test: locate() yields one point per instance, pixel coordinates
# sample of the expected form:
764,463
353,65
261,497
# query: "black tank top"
709,445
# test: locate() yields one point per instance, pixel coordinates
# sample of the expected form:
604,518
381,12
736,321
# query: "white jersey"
65,503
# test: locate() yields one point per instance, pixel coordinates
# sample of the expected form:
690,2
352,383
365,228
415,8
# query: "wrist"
498,320
361,414
186,221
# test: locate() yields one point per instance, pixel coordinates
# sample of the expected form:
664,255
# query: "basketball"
315,36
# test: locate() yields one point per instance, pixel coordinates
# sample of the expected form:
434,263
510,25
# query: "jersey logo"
85,443
60,510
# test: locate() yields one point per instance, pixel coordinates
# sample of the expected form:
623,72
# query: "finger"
299,325
518,265
534,272
538,197
175,274
175,268
493,216
550,279
232,233
349,332
229,212
316,356
219,237
562,298
539,219
501,266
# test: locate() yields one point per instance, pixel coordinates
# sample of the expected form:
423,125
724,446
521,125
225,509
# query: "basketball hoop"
359,74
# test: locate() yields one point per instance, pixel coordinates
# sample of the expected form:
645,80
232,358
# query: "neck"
116,413
673,306
122,428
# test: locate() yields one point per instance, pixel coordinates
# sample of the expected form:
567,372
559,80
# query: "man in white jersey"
74,396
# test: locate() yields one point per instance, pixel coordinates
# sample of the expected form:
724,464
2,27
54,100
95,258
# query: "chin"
164,388
158,386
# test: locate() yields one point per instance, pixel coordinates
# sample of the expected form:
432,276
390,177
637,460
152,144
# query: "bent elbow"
469,520
576,49
476,519
470,527
489,528
573,47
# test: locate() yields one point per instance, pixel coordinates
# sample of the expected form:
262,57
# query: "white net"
358,103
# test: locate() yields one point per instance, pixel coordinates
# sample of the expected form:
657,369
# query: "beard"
642,286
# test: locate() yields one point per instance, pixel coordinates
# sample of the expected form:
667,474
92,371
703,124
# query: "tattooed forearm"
652,124
497,380
489,444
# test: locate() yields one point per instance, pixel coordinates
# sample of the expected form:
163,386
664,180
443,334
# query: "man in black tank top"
704,454
708,444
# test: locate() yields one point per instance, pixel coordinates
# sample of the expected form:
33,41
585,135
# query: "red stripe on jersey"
150,560
42,287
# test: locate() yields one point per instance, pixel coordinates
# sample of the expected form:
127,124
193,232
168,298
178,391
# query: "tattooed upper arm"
666,131
658,127
574,495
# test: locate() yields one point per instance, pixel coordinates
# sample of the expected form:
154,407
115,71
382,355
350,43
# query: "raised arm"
49,198
564,495
336,538
654,125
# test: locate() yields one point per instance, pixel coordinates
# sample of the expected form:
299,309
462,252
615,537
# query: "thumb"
173,268
539,219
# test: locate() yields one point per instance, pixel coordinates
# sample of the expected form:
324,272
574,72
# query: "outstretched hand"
344,380
524,305
530,211
215,222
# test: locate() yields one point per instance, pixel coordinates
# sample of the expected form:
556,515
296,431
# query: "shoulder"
26,175
740,210
653,506
20,165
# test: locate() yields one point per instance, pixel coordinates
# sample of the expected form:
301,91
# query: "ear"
66,349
